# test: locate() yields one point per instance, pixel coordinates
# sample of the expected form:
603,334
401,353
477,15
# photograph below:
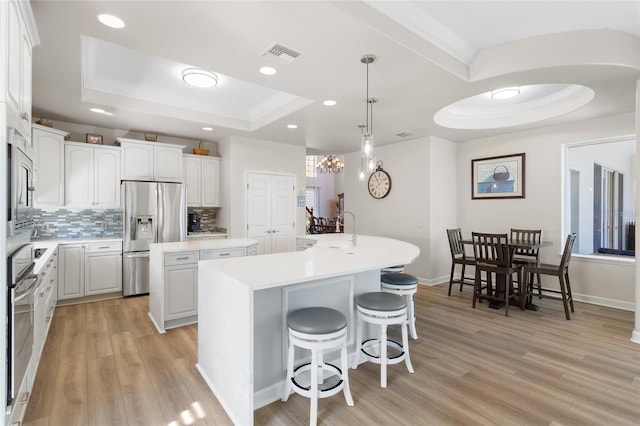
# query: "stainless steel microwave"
19,185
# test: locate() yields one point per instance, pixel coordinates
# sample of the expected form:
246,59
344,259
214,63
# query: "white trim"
155,324
635,336
606,259
603,301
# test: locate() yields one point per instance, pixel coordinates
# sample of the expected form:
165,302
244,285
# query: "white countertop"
51,244
332,256
202,244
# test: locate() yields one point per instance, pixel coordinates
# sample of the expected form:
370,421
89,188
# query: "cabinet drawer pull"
182,258
103,247
225,254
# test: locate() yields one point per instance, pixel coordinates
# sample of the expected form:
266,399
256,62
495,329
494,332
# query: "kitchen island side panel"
225,341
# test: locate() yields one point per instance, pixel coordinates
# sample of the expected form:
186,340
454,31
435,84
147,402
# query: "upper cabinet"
48,165
151,161
21,37
92,176
202,177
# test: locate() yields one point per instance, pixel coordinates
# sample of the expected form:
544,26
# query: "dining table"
501,279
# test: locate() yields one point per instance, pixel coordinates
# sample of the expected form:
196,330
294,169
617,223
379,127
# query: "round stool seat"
381,301
399,278
317,320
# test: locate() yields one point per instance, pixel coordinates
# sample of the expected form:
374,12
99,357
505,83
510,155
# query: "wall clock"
379,182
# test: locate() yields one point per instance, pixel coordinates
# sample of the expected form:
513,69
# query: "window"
311,166
599,197
311,199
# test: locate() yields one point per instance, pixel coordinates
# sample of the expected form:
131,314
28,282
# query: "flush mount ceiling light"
268,70
111,21
505,93
292,126
329,102
199,78
208,129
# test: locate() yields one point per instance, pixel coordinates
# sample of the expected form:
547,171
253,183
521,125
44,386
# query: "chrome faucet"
354,240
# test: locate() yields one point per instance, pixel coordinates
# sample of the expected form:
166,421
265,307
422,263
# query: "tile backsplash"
209,217
85,223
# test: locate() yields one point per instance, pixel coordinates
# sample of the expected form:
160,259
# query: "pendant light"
367,157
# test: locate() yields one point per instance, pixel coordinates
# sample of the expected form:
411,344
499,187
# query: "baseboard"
603,301
268,395
155,324
635,336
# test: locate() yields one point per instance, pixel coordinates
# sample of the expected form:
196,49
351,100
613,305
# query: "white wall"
403,214
241,155
606,282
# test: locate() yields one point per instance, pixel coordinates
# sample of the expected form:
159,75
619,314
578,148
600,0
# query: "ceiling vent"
405,134
281,52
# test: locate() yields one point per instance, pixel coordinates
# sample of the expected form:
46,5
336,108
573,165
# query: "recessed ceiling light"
506,93
111,21
199,78
268,70
292,126
100,111
208,129
329,102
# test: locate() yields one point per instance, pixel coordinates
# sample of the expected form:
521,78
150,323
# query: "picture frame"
502,176
93,138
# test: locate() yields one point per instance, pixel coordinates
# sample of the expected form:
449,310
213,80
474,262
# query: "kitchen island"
173,276
243,305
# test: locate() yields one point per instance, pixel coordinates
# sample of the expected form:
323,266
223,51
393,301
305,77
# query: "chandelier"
330,164
367,158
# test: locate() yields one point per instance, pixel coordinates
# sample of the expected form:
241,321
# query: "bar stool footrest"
375,343
322,393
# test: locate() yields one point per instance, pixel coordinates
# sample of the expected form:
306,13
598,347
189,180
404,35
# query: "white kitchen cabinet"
151,161
92,176
202,177
222,253
48,165
70,271
181,286
102,268
21,37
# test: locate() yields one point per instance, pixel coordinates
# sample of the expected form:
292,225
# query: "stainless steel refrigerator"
153,213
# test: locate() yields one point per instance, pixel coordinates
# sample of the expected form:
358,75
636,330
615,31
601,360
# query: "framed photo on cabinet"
94,139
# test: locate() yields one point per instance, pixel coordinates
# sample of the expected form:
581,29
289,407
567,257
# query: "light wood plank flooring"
104,364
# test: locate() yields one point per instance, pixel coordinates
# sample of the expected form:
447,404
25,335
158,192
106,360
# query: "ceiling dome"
529,104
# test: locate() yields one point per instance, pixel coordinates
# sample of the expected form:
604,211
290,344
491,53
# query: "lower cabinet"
70,271
89,269
173,292
102,268
181,285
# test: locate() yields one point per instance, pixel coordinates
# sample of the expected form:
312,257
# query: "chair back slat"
568,248
456,246
530,236
492,249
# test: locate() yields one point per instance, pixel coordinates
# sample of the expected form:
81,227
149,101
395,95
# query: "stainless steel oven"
22,284
19,185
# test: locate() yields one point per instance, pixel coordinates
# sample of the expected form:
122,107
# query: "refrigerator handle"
134,228
132,255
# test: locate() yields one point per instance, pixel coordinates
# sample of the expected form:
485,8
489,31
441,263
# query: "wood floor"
104,364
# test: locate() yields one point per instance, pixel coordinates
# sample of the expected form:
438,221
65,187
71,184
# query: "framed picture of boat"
498,177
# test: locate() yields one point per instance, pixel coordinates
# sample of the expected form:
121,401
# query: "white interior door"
270,212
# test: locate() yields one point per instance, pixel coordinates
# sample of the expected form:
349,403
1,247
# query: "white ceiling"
430,54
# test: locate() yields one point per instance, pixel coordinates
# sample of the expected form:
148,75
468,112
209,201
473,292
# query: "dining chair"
527,255
561,271
493,256
314,225
459,257
324,226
